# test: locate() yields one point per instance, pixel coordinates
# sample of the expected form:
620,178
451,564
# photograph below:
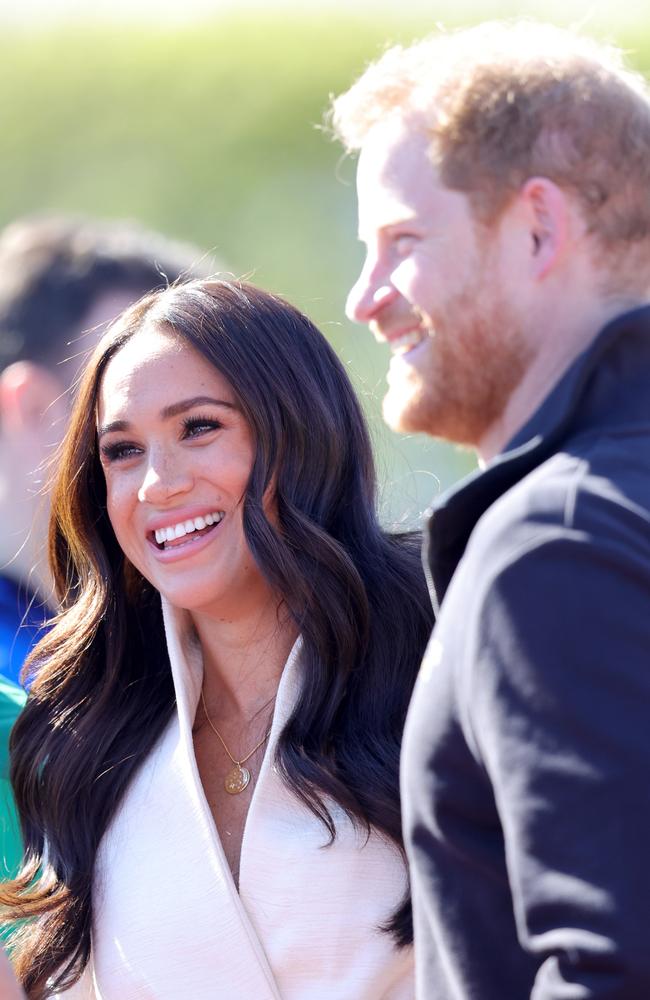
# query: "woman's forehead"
155,367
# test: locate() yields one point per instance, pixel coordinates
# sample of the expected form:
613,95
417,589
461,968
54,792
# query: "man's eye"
195,426
403,244
119,451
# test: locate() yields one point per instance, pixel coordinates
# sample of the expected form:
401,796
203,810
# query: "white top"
168,922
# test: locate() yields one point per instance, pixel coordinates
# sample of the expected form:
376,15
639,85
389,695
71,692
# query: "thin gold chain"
238,763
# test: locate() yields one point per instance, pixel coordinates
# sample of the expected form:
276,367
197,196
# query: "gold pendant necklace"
239,777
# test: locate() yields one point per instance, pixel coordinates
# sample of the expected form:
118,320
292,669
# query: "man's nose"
164,480
369,296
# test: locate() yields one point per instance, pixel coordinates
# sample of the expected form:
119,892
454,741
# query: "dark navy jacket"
526,765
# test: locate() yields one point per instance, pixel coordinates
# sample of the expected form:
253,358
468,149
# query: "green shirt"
12,699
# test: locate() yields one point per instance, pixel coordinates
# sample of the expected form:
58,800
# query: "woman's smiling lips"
181,533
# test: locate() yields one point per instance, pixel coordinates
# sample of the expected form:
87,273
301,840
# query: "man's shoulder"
596,487
560,562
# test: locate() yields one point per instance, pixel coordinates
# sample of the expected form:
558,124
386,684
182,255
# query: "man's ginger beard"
476,357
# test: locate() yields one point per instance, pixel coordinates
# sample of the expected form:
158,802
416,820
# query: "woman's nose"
164,480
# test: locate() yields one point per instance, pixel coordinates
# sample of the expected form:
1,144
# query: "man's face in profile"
432,288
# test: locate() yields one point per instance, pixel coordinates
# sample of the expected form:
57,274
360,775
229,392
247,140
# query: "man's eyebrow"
174,410
389,225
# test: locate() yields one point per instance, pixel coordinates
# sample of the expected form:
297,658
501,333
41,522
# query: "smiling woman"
207,766
177,454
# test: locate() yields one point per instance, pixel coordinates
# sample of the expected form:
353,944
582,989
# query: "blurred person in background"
504,198
207,765
62,279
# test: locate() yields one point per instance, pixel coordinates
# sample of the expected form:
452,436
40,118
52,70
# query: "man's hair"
53,269
505,101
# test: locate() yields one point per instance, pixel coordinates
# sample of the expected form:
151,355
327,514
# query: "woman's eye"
196,426
119,451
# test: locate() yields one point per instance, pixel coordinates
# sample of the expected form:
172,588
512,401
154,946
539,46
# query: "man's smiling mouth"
409,340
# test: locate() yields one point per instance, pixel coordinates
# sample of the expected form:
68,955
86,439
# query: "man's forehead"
395,177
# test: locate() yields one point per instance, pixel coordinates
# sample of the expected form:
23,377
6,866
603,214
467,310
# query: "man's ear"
547,215
27,390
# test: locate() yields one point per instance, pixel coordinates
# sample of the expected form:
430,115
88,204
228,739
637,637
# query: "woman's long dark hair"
103,691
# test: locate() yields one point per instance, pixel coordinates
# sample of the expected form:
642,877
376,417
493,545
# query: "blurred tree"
209,133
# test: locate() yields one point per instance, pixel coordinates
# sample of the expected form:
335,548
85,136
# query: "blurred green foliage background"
210,133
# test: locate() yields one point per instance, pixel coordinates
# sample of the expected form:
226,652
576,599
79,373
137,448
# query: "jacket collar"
187,673
608,381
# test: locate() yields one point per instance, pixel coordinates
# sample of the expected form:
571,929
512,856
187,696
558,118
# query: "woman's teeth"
185,527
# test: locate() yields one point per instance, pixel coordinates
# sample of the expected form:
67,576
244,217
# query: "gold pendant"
237,780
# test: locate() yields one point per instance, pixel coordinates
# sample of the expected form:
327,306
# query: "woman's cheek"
120,512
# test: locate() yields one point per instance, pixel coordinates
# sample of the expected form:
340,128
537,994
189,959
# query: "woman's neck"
243,660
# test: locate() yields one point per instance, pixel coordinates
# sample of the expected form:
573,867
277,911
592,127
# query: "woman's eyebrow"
173,410
187,404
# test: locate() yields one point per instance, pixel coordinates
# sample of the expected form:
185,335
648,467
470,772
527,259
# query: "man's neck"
558,350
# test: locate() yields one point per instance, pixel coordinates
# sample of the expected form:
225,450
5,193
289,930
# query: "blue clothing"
526,762
22,620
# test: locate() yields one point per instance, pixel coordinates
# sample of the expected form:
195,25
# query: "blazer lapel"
168,919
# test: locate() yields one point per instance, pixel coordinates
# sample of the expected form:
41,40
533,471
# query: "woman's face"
177,455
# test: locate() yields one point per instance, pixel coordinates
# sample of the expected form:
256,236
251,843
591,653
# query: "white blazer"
168,922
